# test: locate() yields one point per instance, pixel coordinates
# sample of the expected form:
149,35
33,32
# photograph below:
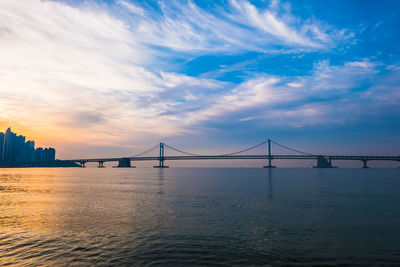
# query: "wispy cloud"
269,22
99,74
331,94
184,26
132,8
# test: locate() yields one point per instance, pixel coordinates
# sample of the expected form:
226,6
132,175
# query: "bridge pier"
322,162
365,163
125,163
269,166
269,156
101,164
161,158
161,165
82,164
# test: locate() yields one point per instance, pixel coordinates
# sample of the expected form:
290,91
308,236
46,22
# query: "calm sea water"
199,216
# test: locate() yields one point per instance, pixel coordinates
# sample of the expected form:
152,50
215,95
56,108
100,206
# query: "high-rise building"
1,146
15,151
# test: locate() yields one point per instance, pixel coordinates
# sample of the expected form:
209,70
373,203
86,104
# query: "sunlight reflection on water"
198,215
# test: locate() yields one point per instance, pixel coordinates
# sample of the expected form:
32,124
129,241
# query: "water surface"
201,216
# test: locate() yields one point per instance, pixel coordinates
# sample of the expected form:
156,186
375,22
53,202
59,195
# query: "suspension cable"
304,153
144,152
245,150
229,154
180,151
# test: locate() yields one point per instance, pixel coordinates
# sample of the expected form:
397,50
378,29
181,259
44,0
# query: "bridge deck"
217,157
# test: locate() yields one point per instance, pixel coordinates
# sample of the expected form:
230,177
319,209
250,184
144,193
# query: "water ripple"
218,217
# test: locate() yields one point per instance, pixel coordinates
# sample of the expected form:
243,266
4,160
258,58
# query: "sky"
112,78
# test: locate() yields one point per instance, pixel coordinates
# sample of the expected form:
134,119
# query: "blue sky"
114,77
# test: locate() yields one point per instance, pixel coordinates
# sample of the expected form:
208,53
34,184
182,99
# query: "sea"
199,216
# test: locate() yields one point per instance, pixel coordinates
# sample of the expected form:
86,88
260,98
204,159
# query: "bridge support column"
322,162
269,156
82,164
365,164
125,163
161,158
101,164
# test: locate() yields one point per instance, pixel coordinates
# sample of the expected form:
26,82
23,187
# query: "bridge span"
268,150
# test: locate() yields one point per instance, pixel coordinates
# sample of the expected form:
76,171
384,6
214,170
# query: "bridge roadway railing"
389,158
215,157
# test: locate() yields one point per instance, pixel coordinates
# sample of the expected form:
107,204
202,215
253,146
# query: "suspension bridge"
268,150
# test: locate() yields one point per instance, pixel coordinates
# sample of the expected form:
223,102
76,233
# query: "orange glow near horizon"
41,138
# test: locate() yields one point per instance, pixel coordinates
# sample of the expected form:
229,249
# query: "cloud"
294,84
109,76
329,95
268,22
137,10
184,26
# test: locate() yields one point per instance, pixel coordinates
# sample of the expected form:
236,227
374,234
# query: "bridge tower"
269,156
161,158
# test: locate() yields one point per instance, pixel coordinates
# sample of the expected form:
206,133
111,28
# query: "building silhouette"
16,151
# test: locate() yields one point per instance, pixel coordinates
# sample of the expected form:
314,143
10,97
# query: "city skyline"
15,150
111,78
